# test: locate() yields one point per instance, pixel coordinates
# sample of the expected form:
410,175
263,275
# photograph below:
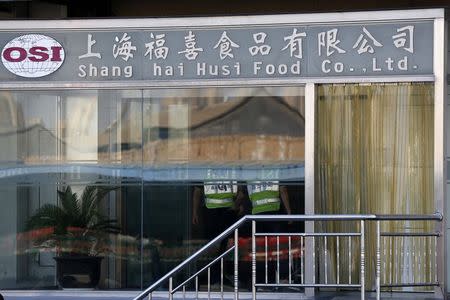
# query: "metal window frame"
439,79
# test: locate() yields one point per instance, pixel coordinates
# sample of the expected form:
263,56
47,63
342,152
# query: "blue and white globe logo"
33,55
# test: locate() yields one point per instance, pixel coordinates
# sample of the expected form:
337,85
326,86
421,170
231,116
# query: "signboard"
263,52
32,55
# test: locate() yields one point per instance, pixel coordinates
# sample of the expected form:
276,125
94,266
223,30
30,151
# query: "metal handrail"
343,217
203,269
438,217
305,218
191,258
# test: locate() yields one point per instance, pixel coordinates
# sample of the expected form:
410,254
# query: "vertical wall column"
447,153
310,103
440,94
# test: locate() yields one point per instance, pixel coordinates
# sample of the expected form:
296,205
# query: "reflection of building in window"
252,129
79,128
11,115
177,142
209,129
30,131
11,122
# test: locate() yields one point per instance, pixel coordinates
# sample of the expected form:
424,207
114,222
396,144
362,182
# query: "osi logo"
32,55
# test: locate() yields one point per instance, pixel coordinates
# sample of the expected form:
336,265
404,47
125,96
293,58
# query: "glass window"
216,139
52,140
155,154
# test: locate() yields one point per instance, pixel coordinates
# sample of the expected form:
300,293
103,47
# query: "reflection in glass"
79,127
214,135
232,126
154,147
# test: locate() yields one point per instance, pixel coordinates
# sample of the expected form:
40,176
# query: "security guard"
263,197
219,195
219,201
266,197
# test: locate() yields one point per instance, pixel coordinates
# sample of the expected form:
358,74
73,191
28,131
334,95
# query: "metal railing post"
253,260
378,263
209,283
310,238
221,278
196,287
363,279
435,259
236,264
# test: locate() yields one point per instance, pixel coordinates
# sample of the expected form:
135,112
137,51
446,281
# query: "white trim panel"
143,84
318,18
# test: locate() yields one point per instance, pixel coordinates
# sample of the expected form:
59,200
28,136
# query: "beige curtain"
374,154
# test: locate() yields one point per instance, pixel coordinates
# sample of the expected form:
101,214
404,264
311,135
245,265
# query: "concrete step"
129,295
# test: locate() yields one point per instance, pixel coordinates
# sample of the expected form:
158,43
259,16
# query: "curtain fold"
374,154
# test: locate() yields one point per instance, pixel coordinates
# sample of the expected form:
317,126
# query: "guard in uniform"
266,198
218,198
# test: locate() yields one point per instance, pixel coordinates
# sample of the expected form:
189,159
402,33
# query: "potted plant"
78,231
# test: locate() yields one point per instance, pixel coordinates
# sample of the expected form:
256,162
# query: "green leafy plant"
76,226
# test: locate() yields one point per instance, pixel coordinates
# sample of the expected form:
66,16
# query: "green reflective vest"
219,195
265,196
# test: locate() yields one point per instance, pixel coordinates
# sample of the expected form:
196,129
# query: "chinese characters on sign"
225,45
191,52
295,44
405,37
156,47
329,41
262,52
123,48
89,52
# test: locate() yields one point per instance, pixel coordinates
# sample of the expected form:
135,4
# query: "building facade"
346,111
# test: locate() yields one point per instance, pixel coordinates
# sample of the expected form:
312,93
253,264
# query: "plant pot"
78,272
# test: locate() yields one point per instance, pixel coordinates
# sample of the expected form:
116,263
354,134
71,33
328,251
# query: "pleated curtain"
374,155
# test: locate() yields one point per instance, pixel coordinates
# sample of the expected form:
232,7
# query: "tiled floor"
129,295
